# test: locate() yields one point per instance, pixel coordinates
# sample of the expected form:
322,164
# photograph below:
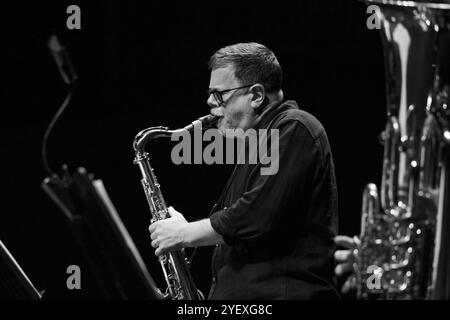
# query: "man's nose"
212,101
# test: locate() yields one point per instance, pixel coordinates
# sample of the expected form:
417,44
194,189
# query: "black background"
143,64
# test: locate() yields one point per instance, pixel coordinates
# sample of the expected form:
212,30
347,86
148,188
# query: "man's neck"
275,96
272,99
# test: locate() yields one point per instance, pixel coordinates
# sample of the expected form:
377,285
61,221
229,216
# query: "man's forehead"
222,78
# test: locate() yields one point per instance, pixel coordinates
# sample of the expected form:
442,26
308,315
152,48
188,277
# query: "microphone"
62,60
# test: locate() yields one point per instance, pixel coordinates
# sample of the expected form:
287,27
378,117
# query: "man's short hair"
252,62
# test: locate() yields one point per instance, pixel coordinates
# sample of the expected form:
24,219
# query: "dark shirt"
278,229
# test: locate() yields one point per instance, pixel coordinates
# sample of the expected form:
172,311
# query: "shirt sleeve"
250,220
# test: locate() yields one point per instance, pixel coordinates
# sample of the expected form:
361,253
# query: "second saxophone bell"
405,230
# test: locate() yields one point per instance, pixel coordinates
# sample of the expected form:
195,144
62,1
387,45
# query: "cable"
51,126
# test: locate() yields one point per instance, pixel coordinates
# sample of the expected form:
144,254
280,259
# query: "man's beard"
244,122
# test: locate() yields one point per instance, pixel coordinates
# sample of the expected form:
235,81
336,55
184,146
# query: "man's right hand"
345,260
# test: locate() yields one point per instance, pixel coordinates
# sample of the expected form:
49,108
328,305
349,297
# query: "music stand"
111,253
14,283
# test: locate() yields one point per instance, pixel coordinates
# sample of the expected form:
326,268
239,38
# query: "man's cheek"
225,122
224,125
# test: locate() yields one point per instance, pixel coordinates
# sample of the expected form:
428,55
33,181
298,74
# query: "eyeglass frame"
217,94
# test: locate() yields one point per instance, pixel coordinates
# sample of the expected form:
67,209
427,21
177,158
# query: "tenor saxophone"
180,284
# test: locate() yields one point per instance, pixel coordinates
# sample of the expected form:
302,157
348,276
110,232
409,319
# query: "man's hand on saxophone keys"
345,259
168,234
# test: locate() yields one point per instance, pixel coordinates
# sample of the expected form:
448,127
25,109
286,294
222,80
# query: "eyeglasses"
218,94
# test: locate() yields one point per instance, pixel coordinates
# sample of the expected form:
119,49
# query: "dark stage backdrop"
144,63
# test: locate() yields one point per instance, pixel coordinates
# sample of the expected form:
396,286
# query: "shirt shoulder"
291,114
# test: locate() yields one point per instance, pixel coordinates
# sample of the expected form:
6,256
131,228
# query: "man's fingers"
344,241
343,268
350,284
155,244
161,250
152,227
173,212
342,255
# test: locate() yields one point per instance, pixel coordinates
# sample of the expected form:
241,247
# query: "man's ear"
258,95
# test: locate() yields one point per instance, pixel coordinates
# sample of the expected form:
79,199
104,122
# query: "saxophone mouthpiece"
206,122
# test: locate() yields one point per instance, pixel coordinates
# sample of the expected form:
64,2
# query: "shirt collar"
266,114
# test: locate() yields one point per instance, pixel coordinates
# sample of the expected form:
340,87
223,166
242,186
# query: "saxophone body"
180,284
403,251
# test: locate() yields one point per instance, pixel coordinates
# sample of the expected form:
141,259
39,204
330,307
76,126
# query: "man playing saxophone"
273,233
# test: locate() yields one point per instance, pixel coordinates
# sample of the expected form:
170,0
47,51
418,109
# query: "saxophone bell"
404,244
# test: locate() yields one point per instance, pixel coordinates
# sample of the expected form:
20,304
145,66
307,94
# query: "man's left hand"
168,234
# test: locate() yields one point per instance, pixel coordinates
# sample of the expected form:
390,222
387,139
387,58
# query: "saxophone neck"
146,135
